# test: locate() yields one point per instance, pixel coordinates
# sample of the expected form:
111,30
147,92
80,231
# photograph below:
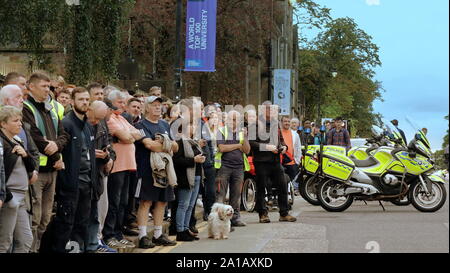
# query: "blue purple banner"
201,35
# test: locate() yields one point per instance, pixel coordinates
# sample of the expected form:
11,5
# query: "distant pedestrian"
395,123
339,136
96,91
307,138
317,135
64,98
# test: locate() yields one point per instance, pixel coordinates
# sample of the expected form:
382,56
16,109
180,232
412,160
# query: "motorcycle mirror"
323,129
418,137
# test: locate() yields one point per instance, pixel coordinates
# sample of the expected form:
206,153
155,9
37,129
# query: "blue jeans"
186,203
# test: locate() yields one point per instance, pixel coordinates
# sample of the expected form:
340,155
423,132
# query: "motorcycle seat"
364,163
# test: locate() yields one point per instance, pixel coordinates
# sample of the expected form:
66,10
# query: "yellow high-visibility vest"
58,109
218,157
43,159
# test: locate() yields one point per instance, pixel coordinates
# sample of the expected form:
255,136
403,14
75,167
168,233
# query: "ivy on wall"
90,34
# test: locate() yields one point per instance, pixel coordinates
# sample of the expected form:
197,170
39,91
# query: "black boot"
184,236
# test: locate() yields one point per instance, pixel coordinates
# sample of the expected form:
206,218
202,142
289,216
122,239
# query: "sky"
413,37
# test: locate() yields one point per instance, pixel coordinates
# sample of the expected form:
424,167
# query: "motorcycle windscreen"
416,128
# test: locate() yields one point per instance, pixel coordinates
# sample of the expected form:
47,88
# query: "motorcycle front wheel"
330,197
425,202
308,190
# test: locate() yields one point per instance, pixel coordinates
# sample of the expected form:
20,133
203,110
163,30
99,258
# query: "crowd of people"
94,164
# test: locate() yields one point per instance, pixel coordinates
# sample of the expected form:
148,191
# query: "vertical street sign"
201,35
282,90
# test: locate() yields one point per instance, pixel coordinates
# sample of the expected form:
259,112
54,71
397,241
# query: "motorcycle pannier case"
337,166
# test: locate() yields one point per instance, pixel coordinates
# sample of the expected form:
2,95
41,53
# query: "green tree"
90,34
446,136
342,46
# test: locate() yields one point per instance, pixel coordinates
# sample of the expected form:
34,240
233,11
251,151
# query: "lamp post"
177,82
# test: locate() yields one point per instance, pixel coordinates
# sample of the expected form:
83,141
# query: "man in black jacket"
50,138
78,181
105,156
266,149
2,178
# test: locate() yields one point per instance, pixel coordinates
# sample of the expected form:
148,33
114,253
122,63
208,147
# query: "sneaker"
287,218
114,243
264,218
146,243
238,223
184,236
127,243
163,240
105,249
129,232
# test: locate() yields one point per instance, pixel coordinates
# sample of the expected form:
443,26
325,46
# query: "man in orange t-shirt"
291,160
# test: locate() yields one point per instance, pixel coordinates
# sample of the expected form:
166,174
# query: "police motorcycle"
310,170
379,138
388,174
312,175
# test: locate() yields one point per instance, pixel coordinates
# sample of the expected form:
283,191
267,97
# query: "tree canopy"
90,34
345,48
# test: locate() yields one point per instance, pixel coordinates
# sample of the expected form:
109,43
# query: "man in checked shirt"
339,136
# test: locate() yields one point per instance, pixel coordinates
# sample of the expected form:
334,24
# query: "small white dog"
219,221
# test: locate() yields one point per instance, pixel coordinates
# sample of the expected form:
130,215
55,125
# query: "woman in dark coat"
188,162
15,226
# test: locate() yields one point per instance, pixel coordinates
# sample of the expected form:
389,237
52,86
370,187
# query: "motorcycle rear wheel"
308,190
248,196
327,198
